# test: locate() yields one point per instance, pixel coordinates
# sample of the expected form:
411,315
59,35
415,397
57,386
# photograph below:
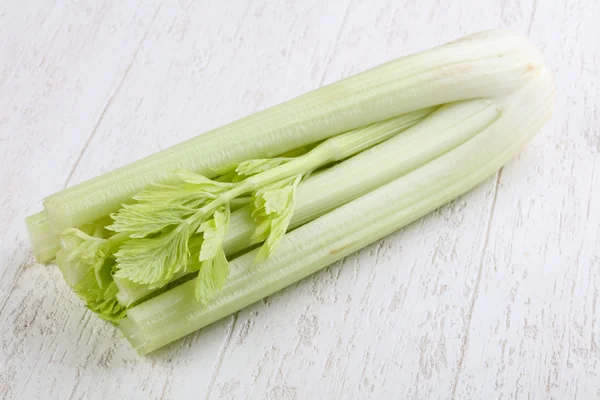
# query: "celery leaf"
162,206
154,261
273,210
141,220
214,268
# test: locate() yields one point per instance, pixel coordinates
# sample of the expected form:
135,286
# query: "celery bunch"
175,241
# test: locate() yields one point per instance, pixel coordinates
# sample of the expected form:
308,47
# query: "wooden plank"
534,329
59,73
493,296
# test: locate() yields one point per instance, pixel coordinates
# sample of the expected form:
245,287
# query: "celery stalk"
43,237
346,229
441,131
484,65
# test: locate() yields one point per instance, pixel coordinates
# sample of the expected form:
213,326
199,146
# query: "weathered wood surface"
493,296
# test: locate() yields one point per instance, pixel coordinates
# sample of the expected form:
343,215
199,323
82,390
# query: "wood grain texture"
493,296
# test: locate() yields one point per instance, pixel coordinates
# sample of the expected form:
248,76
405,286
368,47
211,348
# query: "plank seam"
110,99
465,341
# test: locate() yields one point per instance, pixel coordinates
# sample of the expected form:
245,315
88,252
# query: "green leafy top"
165,217
155,236
161,224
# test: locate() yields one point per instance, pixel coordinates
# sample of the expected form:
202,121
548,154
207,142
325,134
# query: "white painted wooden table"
495,296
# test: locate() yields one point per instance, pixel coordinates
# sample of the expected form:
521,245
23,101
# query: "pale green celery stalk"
346,229
44,239
484,65
439,132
